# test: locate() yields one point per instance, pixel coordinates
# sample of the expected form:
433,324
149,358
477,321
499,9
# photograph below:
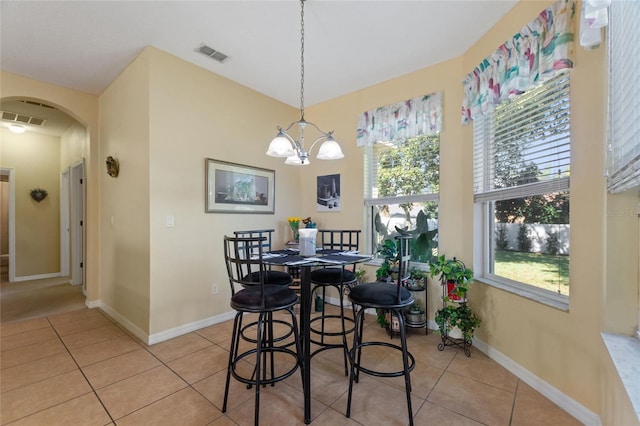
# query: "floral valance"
538,52
414,117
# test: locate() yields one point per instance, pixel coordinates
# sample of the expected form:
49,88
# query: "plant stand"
447,340
411,321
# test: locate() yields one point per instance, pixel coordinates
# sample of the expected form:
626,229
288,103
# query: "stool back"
403,242
243,257
343,239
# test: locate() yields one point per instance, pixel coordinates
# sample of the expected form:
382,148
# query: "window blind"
523,147
624,96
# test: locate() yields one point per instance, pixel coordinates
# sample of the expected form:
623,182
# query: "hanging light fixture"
292,148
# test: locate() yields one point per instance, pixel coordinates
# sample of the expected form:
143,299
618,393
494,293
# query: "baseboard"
574,408
568,404
163,335
128,325
37,277
187,328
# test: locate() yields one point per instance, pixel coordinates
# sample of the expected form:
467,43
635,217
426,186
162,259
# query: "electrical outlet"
214,289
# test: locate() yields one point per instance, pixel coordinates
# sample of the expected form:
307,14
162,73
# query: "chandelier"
285,145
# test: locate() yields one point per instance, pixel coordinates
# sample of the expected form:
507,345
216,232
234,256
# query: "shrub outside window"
401,192
521,189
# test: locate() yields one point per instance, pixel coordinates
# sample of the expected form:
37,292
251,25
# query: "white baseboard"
568,404
574,408
187,328
163,335
38,277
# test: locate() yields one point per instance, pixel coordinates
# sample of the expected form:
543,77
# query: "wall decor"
237,188
329,193
39,194
113,167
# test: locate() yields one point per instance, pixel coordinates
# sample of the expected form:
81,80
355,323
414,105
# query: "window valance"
414,117
538,52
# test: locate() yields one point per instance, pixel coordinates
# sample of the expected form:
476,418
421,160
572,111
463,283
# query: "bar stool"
271,277
342,280
392,297
264,300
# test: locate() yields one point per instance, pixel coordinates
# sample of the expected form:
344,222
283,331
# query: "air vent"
40,104
22,118
212,53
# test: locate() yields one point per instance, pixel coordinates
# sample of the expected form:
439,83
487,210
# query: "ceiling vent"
40,104
21,118
212,53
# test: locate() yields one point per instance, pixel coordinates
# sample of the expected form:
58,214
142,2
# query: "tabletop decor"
294,223
236,188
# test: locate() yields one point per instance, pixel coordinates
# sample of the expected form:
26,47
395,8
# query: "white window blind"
624,96
523,147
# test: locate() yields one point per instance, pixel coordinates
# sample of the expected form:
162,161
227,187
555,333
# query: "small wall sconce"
113,167
39,194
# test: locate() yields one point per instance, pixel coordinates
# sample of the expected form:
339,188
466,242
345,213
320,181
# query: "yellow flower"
294,220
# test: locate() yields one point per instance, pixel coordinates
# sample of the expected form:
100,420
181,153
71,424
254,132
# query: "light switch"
170,222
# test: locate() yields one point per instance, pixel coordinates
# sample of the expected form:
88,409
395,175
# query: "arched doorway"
43,239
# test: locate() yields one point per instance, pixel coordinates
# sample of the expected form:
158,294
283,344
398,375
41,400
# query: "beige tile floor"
81,368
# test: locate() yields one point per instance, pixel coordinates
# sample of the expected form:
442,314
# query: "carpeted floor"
38,298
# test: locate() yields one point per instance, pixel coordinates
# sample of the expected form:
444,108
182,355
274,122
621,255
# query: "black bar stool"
392,297
262,299
342,280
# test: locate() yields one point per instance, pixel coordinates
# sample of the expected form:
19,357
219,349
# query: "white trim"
625,354
568,404
12,221
38,277
187,328
163,335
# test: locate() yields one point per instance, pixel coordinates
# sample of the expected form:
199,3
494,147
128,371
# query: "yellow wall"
34,158
562,348
163,117
84,108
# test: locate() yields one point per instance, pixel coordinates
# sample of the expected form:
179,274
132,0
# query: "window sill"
544,297
625,353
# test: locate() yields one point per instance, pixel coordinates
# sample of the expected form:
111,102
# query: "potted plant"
389,252
417,279
454,274
460,316
360,274
415,314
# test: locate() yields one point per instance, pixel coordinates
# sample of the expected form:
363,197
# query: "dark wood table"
323,257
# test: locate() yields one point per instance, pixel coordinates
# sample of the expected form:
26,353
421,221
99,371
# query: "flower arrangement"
294,223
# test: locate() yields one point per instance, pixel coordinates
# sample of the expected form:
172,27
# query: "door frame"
77,199
11,211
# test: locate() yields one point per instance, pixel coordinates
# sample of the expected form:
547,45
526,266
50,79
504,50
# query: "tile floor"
81,368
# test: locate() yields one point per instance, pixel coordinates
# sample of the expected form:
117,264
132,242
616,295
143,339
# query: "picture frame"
238,188
328,193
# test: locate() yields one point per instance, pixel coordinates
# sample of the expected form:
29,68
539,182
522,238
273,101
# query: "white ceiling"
349,45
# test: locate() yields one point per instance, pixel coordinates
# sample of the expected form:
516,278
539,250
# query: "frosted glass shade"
280,146
294,160
330,150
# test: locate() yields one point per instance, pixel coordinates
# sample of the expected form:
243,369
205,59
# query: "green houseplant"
454,274
415,313
460,316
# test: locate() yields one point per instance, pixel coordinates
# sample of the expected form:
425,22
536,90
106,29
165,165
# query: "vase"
296,233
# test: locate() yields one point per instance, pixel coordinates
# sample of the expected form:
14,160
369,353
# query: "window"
624,96
401,191
521,187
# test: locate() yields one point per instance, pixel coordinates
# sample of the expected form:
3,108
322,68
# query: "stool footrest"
352,354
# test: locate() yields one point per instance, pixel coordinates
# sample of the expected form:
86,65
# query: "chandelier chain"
302,59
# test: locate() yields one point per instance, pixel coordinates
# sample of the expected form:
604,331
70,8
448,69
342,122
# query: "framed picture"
236,188
329,193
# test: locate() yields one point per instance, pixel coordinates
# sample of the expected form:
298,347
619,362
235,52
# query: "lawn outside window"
521,190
